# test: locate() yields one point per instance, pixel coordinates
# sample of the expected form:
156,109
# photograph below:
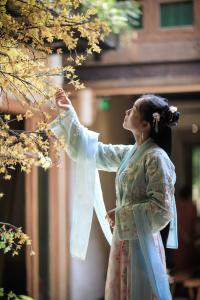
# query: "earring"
142,136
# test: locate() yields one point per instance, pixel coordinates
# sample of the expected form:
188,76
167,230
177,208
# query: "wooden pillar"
31,196
58,216
59,230
86,106
196,16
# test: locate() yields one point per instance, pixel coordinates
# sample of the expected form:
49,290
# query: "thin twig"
10,225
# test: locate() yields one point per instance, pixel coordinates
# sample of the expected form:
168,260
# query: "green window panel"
176,14
196,177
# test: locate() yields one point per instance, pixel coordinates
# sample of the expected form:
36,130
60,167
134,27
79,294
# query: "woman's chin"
125,126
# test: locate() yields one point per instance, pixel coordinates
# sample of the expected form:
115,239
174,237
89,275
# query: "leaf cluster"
28,32
29,29
119,15
12,239
10,295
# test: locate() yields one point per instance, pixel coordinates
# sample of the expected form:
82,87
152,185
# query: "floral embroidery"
119,275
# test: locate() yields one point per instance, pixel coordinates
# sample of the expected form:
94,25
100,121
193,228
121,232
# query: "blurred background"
160,54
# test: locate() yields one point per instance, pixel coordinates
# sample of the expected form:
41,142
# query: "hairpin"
156,119
173,109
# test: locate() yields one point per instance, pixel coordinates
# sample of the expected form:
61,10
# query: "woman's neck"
140,139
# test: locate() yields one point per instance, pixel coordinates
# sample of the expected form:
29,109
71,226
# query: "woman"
144,194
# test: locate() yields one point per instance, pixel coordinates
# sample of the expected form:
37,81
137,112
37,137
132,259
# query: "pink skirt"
120,275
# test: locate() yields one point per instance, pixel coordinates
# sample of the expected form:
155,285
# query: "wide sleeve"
68,127
157,205
109,157
160,179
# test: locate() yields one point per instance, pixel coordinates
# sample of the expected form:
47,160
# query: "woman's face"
132,120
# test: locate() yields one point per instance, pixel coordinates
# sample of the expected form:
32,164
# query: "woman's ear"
146,125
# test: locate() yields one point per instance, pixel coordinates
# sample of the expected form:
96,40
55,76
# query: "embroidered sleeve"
68,127
155,199
160,178
109,156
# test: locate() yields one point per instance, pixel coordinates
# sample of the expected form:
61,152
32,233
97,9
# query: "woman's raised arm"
67,126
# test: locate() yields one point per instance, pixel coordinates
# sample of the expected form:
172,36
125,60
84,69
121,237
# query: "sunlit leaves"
23,148
12,239
11,295
28,31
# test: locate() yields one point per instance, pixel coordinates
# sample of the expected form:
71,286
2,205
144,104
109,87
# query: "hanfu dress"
145,178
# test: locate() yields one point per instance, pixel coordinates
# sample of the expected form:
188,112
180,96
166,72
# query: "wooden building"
162,57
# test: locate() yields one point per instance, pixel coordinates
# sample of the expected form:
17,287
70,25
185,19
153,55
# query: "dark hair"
185,192
161,129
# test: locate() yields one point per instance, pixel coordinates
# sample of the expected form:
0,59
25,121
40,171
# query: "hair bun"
171,116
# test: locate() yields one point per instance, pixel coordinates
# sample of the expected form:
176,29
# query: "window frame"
186,28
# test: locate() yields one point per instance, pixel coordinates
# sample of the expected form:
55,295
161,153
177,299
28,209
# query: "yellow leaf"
46,115
7,177
7,117
59,50
28,114
19,117
32,253
15,253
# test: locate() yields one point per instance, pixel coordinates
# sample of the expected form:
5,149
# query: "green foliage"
119,15
13,296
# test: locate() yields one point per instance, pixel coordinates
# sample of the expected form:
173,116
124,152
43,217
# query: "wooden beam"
114,89
137,90
139,71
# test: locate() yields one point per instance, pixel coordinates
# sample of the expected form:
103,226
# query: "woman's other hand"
110,217
62,100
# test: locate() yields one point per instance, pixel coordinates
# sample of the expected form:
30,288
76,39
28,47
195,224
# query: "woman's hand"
110,217
62,100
